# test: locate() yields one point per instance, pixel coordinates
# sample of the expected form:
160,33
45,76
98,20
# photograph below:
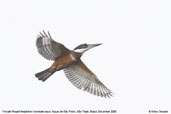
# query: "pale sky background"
134,60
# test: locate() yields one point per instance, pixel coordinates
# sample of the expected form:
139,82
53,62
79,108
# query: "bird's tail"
44,75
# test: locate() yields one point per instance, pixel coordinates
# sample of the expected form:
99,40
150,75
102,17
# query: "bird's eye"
84,45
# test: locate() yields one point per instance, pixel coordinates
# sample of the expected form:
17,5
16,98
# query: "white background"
134,60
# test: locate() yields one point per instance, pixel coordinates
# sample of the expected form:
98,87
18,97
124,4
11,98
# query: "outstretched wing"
81,77
49,48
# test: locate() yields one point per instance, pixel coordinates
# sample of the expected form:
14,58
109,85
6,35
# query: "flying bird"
69,61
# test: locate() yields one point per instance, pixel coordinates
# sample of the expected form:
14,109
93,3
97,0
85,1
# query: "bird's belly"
62,62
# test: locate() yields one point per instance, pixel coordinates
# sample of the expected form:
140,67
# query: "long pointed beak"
94,45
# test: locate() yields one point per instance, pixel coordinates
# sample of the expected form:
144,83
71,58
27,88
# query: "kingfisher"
70,62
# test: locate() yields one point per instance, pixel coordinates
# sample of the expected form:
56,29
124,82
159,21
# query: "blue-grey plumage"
69,61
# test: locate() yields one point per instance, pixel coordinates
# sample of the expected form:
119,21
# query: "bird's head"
84,47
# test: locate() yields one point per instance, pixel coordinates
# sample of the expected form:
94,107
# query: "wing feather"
49,48
81,77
